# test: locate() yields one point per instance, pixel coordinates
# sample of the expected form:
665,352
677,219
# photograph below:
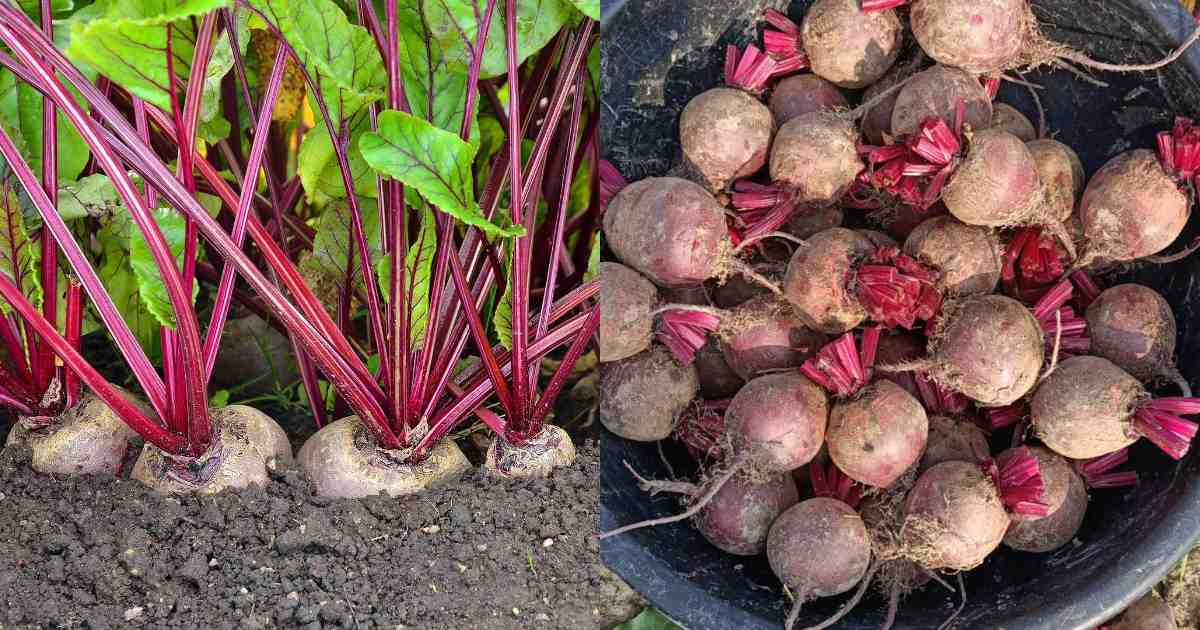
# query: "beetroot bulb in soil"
1089,407
988,348
841,277
246,445
877,430
626,300
87,438
1137,204
958,512
1133,326
775,424
725,133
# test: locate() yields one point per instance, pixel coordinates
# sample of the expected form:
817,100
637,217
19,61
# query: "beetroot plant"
439,257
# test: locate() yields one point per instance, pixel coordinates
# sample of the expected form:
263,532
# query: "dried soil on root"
99,553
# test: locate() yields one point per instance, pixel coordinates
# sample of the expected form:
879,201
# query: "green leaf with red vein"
433,161
434,82
16,248
455,25
126,40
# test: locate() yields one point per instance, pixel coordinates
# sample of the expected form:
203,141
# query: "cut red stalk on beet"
684,332
840,366
895,289
1017,476
1098,472
749,69
781,39
1006,416
830,482
1159,420
700,429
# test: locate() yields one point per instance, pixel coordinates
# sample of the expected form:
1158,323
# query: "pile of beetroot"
873,407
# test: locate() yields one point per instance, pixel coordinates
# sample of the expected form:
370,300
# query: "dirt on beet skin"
99,553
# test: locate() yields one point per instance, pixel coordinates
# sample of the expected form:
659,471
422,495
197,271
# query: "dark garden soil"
97,552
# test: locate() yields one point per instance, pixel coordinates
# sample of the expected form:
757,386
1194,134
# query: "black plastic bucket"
657,54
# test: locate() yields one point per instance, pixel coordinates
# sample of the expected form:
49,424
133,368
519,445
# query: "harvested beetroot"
840,278
1005,117
1133,326
877,436
739,516
818,548
958,512
764,334
988,348
668,229
1089,407
967,257
1055,530
954,440
804,93
641,396
1137,204
877,430
979,37
775,424
778,421
936,93
759,336
997,184
847,46
1056,474
1061,175
1065,333
726,132
876,124
1147,613
1033,260
815,282
814,158
803,225
626,300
